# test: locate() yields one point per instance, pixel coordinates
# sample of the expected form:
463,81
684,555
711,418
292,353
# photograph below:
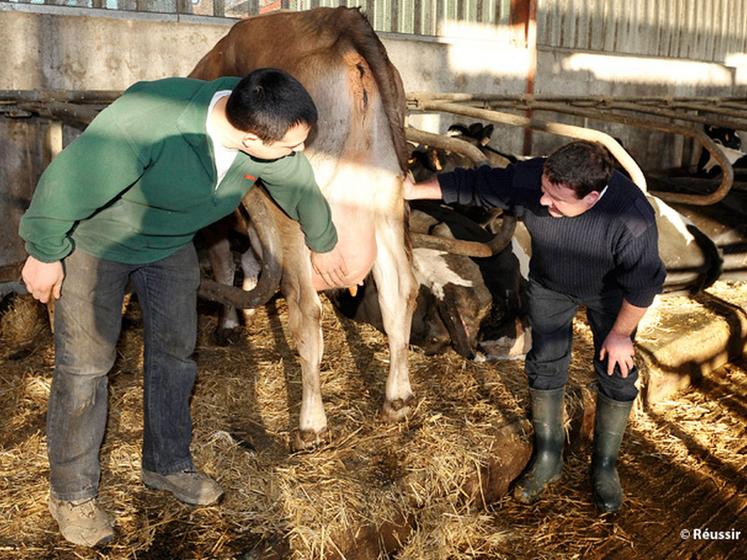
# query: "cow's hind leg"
224,269
305,322
251,268
397,292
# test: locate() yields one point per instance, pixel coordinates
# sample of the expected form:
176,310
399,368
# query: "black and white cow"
692,259
730,144
473,304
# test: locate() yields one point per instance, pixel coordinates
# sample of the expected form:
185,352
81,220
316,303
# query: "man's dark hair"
583,166
268,102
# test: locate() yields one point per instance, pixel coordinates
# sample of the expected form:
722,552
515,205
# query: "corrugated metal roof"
706,30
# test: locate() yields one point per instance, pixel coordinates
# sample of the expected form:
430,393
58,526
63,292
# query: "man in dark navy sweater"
594,243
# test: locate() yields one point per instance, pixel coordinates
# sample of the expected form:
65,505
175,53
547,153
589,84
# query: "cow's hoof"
227,337
396,410
308,440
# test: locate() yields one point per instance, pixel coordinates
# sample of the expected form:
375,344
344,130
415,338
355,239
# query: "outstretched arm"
292,185
483,187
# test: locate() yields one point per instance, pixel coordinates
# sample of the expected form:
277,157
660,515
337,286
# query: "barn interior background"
678,48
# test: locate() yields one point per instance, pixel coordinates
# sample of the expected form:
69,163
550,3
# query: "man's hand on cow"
331,267
618,349
43,280
429,189
408,186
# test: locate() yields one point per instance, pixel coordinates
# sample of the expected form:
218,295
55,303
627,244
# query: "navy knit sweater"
611,246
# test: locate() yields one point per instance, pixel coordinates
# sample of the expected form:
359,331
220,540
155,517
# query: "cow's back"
336,55
358,149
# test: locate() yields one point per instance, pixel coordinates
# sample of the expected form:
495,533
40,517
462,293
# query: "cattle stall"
709,202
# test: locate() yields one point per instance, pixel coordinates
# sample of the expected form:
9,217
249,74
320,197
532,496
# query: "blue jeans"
551,318
88,318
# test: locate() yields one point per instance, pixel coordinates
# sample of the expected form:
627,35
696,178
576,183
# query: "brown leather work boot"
82,522
191,487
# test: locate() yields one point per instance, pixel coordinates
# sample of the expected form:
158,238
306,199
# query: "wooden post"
524,21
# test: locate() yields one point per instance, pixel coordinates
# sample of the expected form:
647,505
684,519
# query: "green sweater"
138,184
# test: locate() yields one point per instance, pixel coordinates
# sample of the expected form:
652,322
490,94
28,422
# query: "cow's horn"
257,204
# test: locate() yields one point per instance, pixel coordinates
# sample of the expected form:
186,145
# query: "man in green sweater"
122,203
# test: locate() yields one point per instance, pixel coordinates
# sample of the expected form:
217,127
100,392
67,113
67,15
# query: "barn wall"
708,30
23,154
50,47
71,48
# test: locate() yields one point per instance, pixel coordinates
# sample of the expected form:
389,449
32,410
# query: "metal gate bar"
78,108
480,107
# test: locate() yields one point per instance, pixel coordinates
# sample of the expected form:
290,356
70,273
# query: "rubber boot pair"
549,439
609,427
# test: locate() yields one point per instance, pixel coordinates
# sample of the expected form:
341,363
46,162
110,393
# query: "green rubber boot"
549,437
609,427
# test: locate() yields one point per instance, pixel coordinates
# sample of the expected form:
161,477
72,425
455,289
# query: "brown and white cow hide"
359,157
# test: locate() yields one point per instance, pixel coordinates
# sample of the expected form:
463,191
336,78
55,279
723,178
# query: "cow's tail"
260,208
389,83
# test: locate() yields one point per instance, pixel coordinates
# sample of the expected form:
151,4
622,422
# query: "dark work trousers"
551,318
88,317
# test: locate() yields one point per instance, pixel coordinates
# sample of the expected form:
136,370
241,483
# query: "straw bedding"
431,487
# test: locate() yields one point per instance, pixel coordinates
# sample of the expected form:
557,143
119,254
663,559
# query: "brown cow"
359,157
